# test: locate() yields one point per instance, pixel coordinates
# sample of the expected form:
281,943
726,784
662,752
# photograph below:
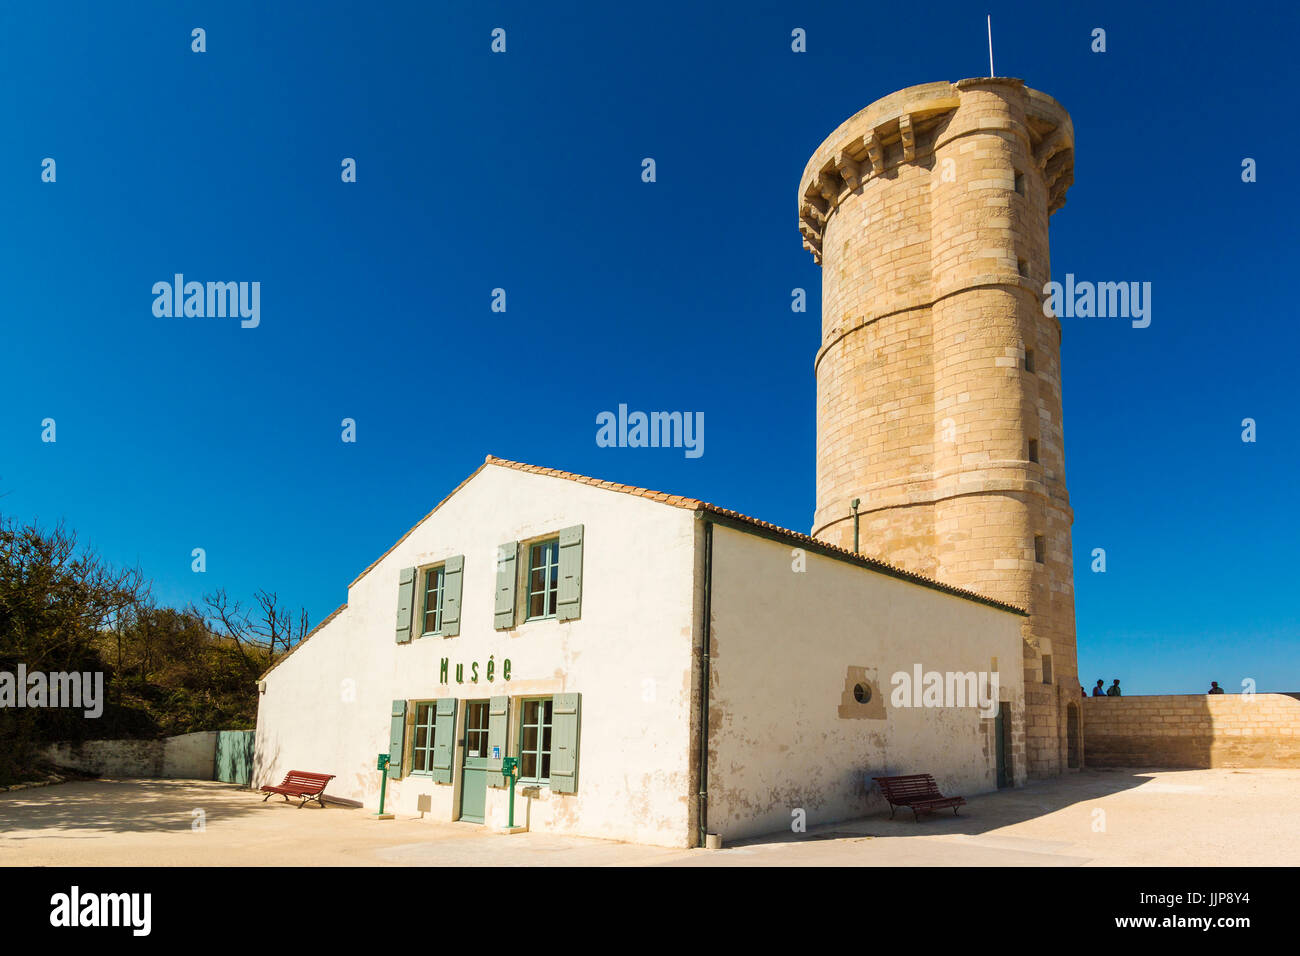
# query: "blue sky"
522,171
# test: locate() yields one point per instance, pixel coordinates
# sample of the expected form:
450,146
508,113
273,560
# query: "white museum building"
563,621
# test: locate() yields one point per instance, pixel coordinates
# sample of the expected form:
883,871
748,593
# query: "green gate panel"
234,757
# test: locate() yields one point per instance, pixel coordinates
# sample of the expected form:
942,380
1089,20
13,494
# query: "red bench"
918,793
300,783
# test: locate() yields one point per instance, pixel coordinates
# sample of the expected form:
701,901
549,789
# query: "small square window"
1040,549
1020,183
1033,449
1029,360
1022,267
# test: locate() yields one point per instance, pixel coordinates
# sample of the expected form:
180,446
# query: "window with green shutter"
422,747
435,592
535,725
433,595
543,579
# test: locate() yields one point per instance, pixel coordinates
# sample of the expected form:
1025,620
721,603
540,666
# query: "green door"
473,787
1000,736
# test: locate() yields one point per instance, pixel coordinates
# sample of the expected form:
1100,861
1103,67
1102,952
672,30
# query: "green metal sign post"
383,787
510,770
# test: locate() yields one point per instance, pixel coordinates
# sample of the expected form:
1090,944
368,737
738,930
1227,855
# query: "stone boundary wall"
1192,731
188,756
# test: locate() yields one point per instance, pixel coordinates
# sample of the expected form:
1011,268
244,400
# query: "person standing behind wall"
1113,690
1099,690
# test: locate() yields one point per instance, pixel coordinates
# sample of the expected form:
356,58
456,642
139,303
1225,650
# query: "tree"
55,600
259,633
173,671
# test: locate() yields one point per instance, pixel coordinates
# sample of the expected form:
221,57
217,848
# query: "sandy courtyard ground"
1098,818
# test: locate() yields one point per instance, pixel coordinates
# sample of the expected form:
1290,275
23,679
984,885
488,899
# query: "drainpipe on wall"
704,684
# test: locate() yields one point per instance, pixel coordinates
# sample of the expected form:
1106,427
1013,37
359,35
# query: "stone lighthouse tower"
938,374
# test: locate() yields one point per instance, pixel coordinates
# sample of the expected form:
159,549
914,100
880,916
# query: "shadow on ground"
123,806
982,814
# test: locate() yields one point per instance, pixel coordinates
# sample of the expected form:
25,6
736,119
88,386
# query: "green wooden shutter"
569,603
452,573
444,739
505,606
405,601
498,721
564,743
397,740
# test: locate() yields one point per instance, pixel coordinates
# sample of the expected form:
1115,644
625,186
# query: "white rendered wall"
783,642
632,642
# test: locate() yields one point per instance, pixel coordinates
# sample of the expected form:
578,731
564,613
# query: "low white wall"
188,756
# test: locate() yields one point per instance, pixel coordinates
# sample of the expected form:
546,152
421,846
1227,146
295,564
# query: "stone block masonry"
1193,731
938,375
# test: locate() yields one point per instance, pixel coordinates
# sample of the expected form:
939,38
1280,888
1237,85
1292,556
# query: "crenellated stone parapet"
906,127
939,412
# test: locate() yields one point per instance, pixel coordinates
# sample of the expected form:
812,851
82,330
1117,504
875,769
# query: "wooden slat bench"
918,792
300,783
